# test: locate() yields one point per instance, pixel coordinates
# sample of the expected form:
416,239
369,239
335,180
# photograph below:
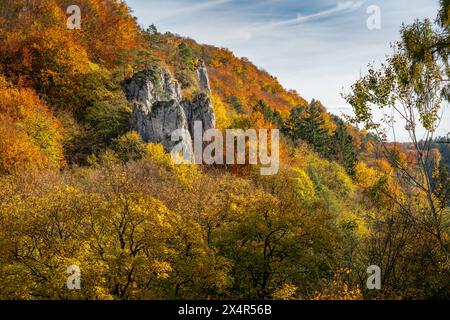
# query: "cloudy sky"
318,47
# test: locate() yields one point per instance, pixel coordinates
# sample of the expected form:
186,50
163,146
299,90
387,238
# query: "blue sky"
317,47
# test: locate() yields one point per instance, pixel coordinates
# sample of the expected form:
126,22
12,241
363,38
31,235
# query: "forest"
79,187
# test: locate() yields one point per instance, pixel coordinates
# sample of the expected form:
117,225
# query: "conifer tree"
343,149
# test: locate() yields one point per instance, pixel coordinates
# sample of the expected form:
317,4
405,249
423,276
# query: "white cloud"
340,7
247,32
192,9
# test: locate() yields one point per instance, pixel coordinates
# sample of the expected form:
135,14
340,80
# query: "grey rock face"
157,125
203,79
158,109
149,87
200,109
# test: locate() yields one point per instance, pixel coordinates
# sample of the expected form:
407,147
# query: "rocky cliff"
159,109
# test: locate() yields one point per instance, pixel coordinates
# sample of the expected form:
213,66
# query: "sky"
317,47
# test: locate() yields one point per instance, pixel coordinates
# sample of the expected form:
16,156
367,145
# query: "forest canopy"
79,187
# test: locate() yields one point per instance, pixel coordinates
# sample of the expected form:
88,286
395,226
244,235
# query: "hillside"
237,82
87,180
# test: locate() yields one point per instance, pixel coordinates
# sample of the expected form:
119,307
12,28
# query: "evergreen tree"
237,104
186,54
152,30
308,125
269,114
343,149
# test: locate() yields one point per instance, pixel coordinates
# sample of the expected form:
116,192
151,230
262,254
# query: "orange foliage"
17,152
30,134
109,32
38,47
231,76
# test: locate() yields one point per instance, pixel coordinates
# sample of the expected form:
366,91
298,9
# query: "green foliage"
236,103
413,76
330,177
444,13
102,114
343,149
186,62
129,147
187,56
270,115
307,124
303,185
411,86
108,119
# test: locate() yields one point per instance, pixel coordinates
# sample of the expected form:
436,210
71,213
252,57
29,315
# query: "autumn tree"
412,86
31,135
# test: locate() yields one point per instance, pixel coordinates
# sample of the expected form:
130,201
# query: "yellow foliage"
303,185
384,167
223,115
285,292
330,174
340,289
366,176
186,173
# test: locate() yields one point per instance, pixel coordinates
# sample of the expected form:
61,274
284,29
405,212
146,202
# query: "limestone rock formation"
159,110
150,86
203,79
199,109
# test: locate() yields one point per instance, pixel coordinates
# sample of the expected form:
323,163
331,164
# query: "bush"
129,146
